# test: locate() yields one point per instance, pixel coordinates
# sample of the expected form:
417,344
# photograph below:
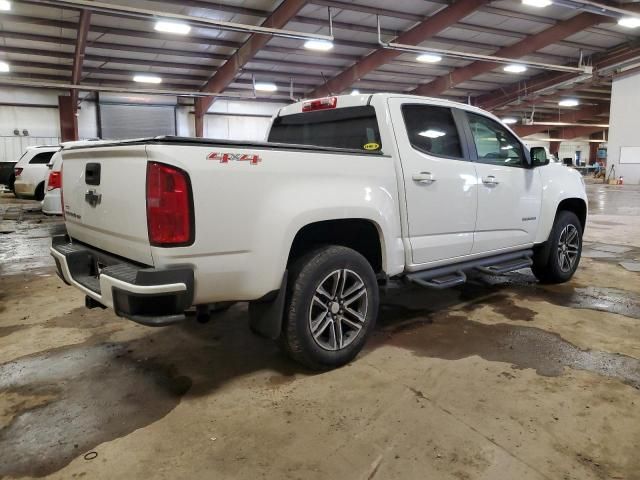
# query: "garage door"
135,121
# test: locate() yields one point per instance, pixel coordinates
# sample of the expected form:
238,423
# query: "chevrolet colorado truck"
346,193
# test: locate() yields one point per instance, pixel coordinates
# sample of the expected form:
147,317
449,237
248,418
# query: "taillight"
320,104
169,206
18,171
55,181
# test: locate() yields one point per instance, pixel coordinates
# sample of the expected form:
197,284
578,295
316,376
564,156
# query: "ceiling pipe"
598,8
582,69
106,88
199,22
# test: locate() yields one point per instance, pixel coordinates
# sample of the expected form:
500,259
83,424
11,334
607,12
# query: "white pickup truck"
348,192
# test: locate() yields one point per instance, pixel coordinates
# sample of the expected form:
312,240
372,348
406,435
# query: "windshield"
350,127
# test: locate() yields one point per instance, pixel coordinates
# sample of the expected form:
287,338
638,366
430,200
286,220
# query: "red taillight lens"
55,181
18,171
320,104
169,211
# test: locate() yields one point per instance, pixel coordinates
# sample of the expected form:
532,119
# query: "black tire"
39,194
320,268
549,265
12,181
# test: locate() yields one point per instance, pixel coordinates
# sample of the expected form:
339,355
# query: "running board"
453,275
505,267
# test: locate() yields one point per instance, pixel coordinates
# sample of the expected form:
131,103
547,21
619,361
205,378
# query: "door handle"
490,180
425,178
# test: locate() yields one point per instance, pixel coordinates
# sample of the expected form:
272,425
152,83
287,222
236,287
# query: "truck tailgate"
105,200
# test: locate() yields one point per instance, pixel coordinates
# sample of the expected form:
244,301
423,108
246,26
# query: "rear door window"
350,127
432,130
41,158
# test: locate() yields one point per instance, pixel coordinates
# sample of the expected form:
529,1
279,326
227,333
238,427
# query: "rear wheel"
331,309
39,195
559,259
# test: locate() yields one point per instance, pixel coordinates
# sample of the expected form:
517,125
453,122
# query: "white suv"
31,171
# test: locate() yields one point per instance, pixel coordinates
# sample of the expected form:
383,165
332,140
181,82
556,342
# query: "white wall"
623,125
44,126
42,123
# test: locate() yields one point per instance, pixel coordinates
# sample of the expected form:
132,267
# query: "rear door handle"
425,178
490,180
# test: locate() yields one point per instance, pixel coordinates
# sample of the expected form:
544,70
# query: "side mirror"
539,157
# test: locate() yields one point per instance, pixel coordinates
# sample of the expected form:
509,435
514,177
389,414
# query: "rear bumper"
153,297
52,204
25,189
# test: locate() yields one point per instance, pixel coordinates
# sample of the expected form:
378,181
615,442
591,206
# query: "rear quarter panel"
247,214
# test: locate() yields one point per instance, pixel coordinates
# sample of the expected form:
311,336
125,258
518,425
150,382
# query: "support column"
554,147
68,119
593,153
199,117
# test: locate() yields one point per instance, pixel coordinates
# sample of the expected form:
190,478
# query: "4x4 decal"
235,157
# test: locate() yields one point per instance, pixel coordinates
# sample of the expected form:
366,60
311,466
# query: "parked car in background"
52,203
7,175
31,171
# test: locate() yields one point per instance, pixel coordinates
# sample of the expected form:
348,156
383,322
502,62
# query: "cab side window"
432,130
41,158
494,143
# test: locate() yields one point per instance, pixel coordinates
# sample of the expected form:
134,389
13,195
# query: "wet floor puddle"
451,336
66,402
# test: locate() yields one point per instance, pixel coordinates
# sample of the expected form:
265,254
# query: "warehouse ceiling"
38,41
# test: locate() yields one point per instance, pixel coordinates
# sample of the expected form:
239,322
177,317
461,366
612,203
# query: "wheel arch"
362,235
577,206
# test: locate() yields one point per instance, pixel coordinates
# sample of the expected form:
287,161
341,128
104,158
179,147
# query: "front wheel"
558,261
332,305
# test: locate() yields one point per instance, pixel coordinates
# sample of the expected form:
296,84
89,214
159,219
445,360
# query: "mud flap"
265,315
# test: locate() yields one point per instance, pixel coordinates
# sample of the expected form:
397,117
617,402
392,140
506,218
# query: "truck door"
509,193
439,180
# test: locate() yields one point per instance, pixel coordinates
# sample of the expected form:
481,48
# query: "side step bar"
452,275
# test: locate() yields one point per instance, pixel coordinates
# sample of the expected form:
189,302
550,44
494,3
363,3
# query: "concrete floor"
500,379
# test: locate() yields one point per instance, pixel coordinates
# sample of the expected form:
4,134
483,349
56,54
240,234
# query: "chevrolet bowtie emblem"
92,198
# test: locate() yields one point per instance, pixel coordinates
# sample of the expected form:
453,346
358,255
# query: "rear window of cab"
350,127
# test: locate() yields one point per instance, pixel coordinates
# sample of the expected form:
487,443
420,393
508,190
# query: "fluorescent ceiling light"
537,3
4,67
515,68
629,22
432,133
569,102
355,92
172,27
509,120
318,45
266,87
5,5
428,58
147,79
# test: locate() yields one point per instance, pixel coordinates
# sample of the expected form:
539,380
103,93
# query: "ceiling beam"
226,74
570,133
424,30
548,80
520,49
78,55
572,116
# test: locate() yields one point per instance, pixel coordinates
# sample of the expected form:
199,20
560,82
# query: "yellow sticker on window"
372,146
